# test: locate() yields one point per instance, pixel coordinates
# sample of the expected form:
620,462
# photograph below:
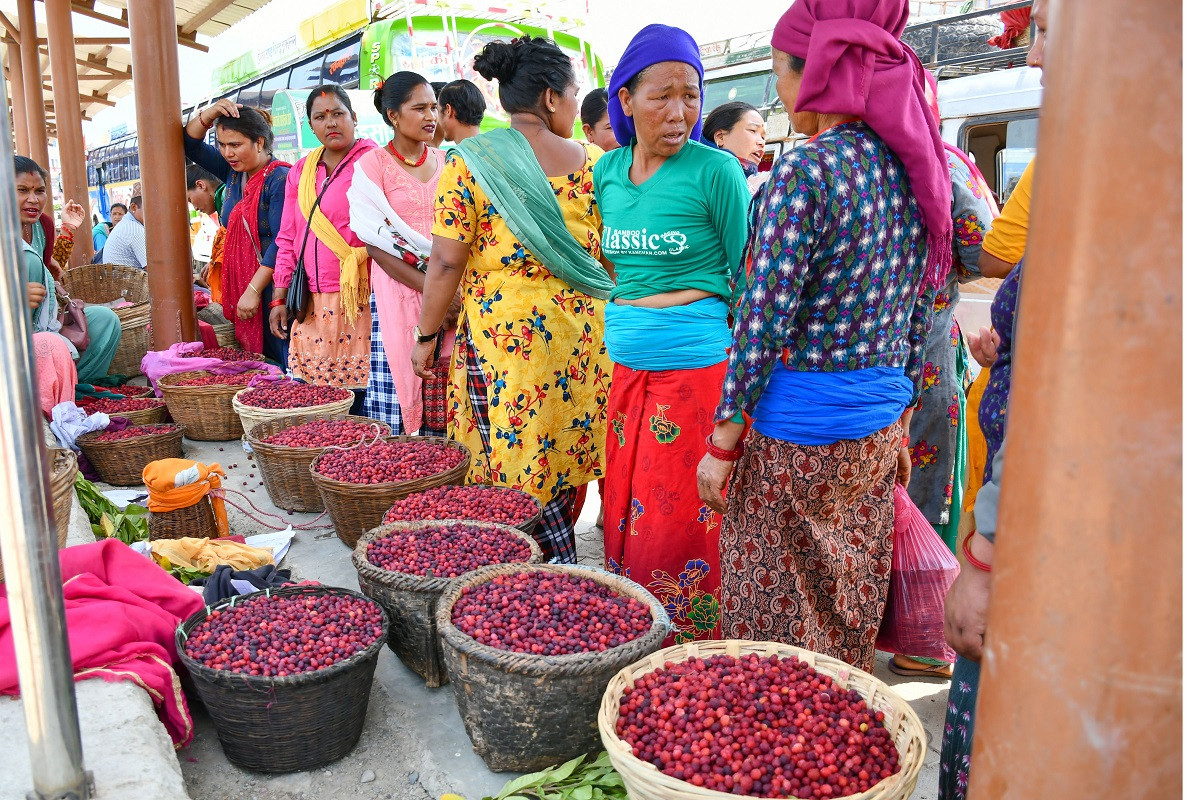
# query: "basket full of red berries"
288,398
529,650
285,447
137,410
120,456
405,567
202,402
286,673
776,721
479,502
358,484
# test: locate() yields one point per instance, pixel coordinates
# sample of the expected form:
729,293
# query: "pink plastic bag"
158,363
922,570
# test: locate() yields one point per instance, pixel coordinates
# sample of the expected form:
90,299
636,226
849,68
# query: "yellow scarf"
355,283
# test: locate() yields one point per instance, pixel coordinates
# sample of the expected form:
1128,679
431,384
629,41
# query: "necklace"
408,162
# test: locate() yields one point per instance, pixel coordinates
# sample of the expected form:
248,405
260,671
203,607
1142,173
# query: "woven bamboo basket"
645,782
120,463
103,283
528,526
292,723
252,416
135,392
355,508
224,334
135,341
147,416
285,469
526,712
63,468
411,600
196,520
206,412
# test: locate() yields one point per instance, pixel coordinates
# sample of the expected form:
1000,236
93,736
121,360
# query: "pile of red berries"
758,726
133,432
285,635
482,503
549,613
221,353
389,462
128,390
241,379
118,407
446,551
325,433
293,395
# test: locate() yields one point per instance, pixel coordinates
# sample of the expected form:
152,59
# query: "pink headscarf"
856,64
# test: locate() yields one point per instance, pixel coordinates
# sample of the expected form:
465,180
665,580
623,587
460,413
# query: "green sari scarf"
504,166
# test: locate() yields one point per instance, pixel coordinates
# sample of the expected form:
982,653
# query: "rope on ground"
295,526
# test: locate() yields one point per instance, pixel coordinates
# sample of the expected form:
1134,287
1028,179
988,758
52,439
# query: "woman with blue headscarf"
674,215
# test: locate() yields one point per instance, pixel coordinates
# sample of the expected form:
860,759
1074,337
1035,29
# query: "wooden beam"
204,15
9,26
92,63
127,75
87,10
84,98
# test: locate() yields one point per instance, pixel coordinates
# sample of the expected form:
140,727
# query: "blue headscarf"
652,45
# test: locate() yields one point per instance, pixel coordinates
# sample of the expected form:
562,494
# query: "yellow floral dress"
535,345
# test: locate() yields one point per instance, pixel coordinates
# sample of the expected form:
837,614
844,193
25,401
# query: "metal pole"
35,98
154,41
16,89
1082,683
27,539
69,121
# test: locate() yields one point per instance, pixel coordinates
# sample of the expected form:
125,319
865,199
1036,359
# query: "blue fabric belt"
818,408
662,339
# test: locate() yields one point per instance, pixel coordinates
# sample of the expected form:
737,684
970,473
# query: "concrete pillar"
16,89
35,100
1082,673
69,121
153,39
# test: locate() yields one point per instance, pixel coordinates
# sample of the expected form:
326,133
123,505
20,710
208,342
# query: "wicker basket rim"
421,583
64,461
536,516
532,663
322,675
256,438
379,488
87,439
621,752
290,411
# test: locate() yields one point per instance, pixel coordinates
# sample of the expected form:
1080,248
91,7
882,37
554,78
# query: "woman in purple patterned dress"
851,238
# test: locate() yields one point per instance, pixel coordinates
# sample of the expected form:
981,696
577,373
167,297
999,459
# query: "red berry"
117,407
240,379
293,395
446,551
133,432
481,503
222,353
325,433
389,462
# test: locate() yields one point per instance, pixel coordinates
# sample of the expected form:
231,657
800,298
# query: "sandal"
919,670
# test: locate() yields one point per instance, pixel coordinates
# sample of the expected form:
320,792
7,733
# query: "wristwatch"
421,338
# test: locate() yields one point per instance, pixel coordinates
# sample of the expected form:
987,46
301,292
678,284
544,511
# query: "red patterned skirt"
806,546
657,531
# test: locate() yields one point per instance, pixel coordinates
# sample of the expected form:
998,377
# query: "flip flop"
941,672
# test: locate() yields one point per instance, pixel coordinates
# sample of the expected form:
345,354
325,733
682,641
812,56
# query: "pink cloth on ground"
158,363
398,306
122,610
327,274
56,373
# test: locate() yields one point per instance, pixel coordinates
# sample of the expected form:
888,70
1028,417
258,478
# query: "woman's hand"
984,346
967,604
249,304
72,216
711,478
422,359
279,322
222,108
36,293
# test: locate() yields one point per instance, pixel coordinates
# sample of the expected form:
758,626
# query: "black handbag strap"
312,211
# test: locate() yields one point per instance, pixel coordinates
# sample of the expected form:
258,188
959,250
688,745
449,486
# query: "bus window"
341,66
248,96
270,85
306,75
1001,148
750,88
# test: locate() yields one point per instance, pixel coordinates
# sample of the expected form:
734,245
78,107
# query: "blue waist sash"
819,408
661,339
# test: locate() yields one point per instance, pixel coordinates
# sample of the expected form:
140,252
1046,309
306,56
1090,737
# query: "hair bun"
377,98
497,60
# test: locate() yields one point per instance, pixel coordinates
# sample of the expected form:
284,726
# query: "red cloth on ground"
657,530
207,335
122,610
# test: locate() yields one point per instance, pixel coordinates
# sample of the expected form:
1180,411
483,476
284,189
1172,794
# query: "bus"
343,46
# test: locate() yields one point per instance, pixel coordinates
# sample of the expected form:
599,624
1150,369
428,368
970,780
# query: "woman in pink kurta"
407,171
331,345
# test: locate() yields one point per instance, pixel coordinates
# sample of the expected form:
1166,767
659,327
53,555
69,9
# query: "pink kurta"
398,306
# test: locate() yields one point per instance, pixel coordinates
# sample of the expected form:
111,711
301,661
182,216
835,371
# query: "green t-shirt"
682,229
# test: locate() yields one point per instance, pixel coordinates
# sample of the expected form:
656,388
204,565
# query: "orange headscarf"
159,477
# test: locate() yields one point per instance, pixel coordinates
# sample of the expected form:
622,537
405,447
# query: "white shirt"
127,243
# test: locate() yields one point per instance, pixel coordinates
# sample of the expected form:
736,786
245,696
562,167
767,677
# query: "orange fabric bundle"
214,266
159,477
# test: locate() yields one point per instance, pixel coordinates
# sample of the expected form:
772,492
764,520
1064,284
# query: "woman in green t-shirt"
674,212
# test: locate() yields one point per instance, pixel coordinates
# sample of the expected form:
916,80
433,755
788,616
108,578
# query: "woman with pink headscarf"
850,238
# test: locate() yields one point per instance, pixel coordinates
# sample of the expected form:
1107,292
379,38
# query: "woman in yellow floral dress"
516,226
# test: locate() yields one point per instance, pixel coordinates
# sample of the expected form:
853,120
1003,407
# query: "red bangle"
971,559
66,234
904,442
277,303
720,453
